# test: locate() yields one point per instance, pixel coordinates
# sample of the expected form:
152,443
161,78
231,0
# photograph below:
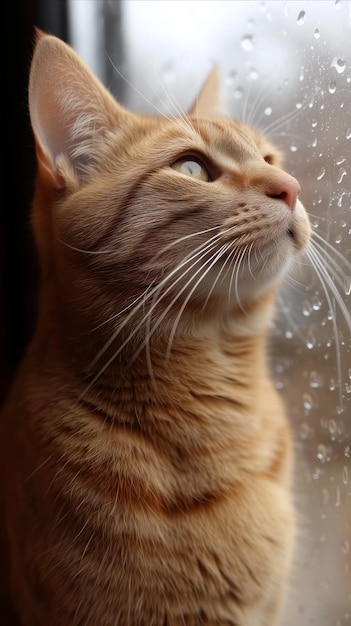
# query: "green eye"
191,167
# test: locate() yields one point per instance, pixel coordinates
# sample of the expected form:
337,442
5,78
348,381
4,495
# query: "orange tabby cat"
147,474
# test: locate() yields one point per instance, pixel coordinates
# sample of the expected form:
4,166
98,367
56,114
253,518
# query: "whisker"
247,100
317,257
144,294
274,126
211,262
236,287
323,274
150,331
334,267
249,260
292,135
183,289
329,245
233,274
251,121
203,252
185,238
136,90
126,308
174,103
319,217
200,249
92,252
289,317
219,274
142,303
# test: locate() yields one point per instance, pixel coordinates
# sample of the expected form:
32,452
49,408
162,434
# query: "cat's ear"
69,108
209,99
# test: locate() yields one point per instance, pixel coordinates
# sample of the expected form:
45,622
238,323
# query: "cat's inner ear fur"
70,109
209,100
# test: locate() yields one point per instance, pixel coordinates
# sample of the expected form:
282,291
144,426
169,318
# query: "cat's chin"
239,294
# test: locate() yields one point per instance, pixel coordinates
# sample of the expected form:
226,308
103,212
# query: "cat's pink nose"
285,188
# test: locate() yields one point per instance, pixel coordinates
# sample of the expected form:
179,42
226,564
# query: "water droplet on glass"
332,87
288,334
315,380
332,427
314,124
317,33
316,474
345,475
340,160
343,223
238,93
316,303
247,43
304,431
348,133
314,142
349,372
325,496
321,173
301,18
339,65
342,173
268,111
345,546
337,496
307,401
253,74
347,286
293,148
279,367
306,308
302,73
341,197
310,341
230,78
281,383
322,453
347,452
332,384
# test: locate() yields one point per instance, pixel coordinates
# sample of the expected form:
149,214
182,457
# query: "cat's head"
186,212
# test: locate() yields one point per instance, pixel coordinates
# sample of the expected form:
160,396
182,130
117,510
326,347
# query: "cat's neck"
204,398
222,361
98,358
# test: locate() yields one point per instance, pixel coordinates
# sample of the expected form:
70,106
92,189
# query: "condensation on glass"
286,68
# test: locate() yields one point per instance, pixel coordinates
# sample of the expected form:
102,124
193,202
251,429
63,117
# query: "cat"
147,470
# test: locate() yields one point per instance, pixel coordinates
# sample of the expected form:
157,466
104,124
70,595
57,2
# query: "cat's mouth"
296,238
299,230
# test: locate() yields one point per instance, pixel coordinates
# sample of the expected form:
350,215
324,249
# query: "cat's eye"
190,166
